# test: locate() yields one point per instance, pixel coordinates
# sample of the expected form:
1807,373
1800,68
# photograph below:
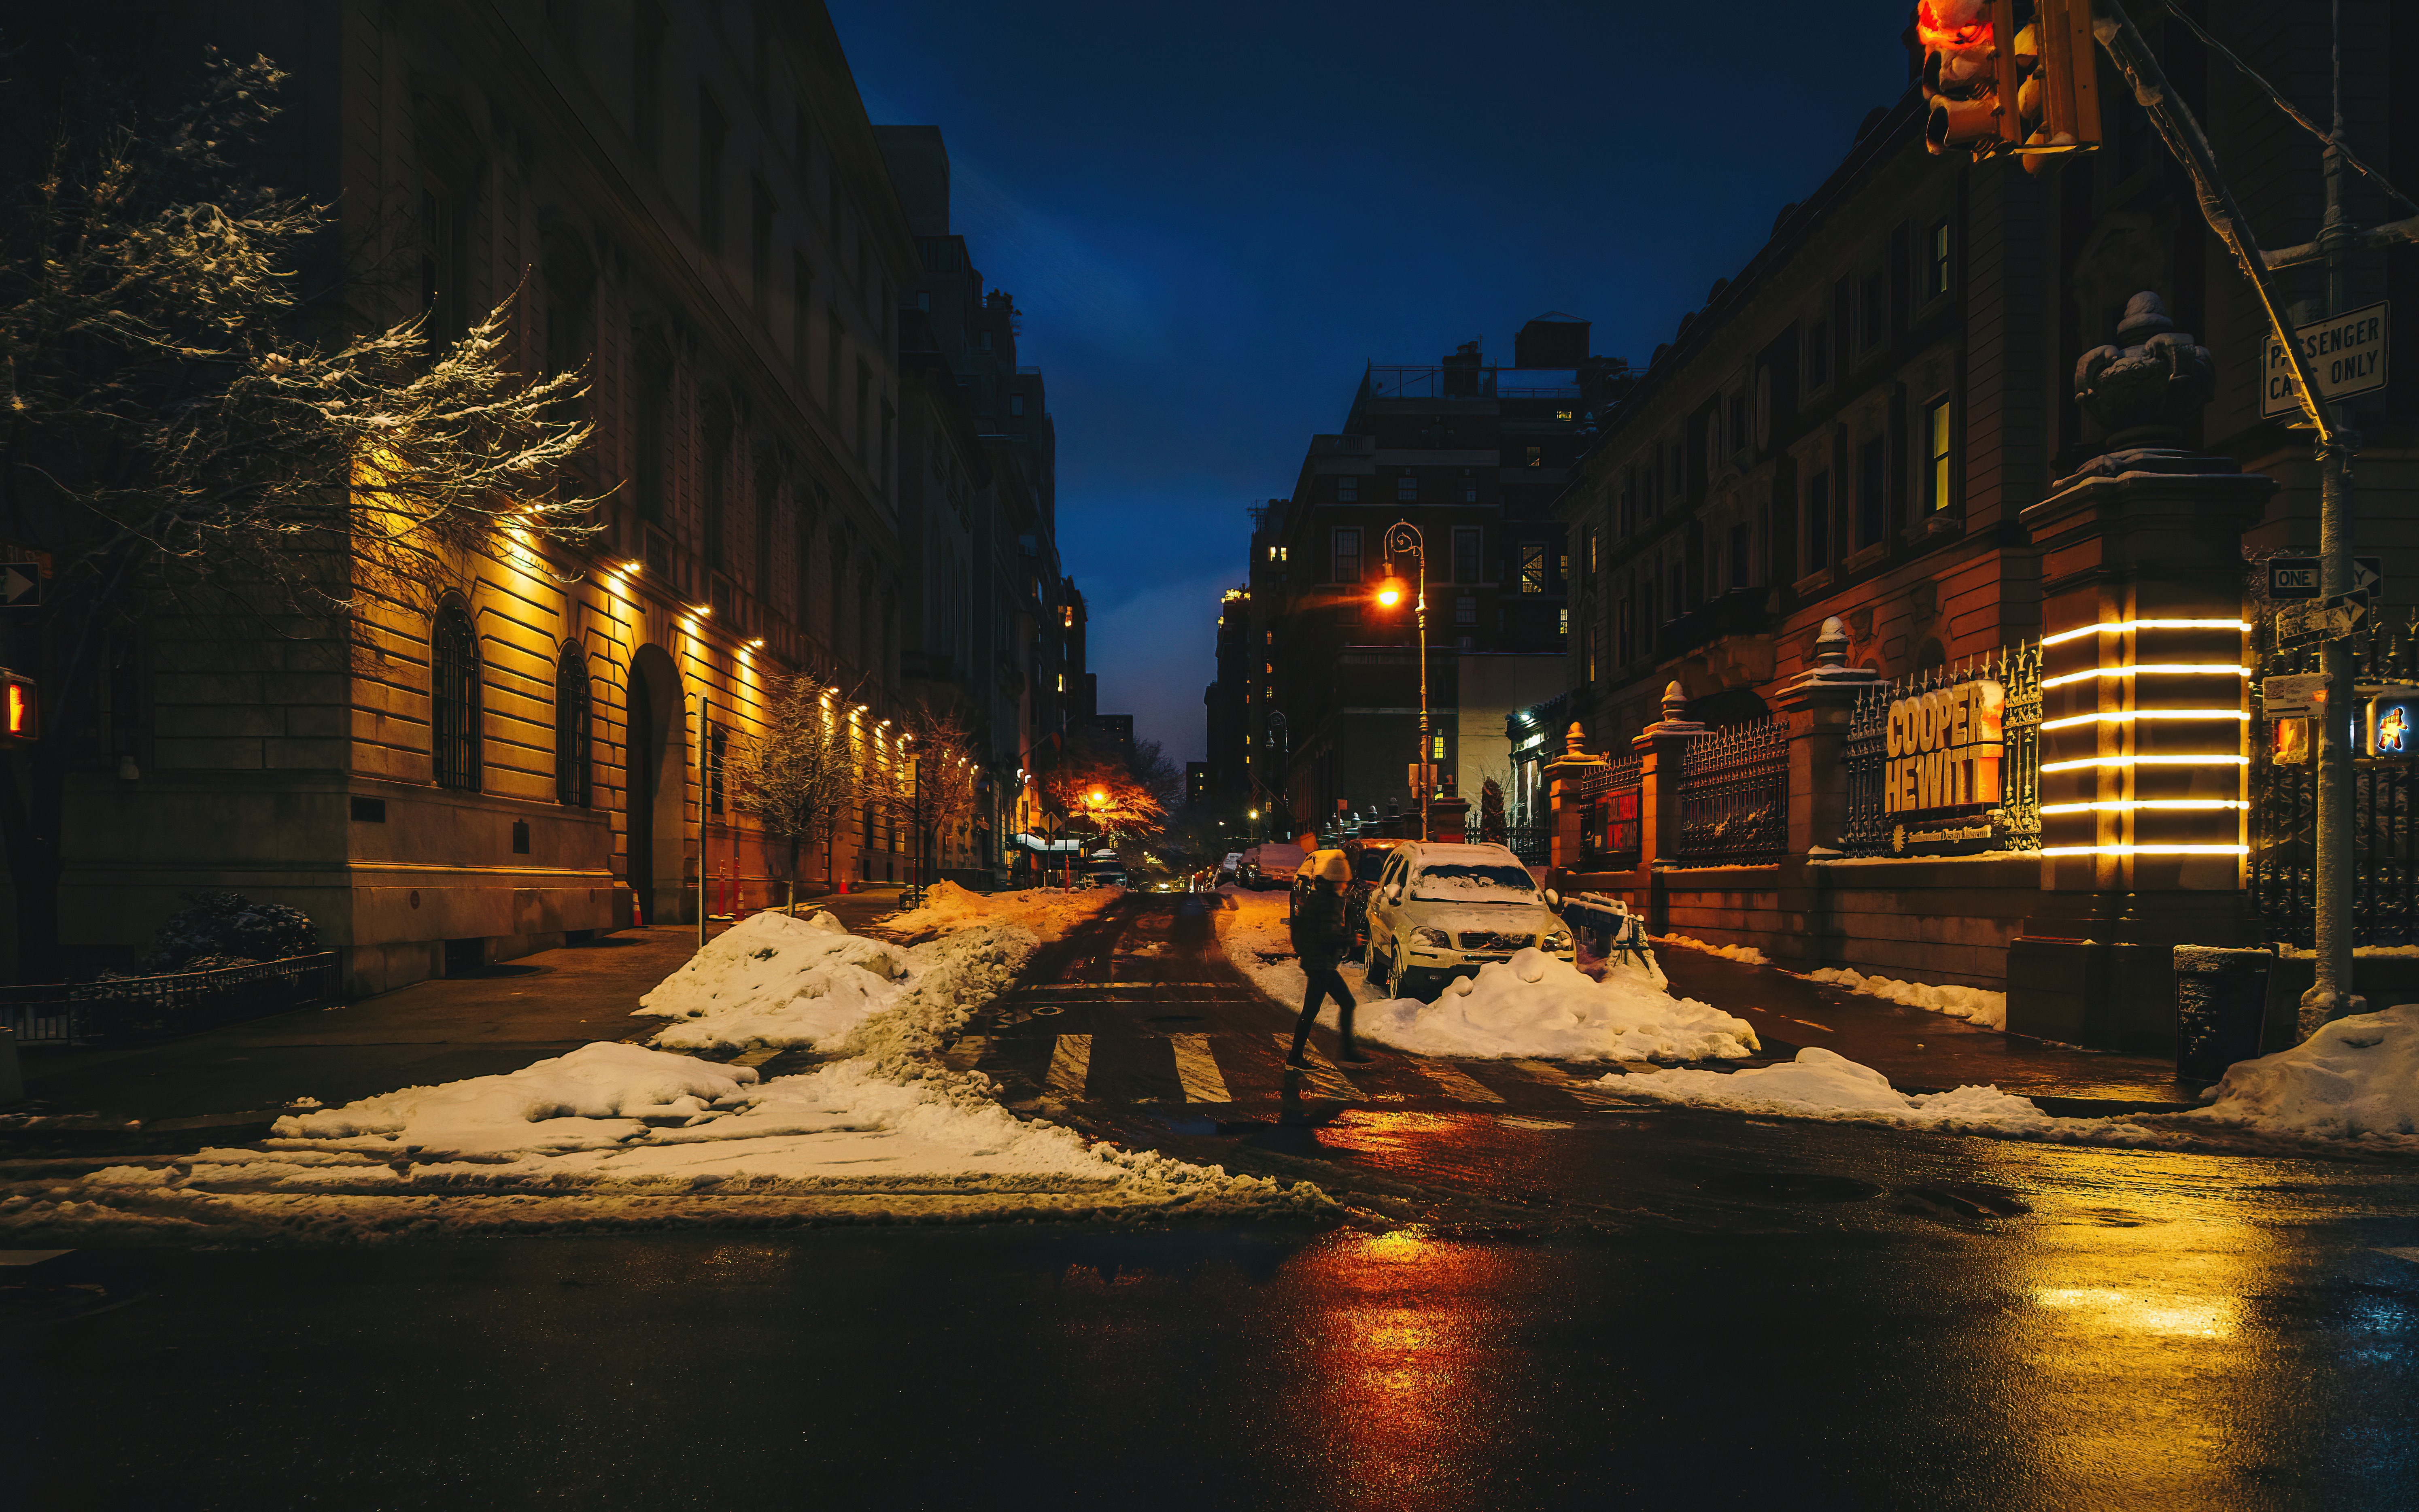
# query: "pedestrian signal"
20,704
2393,725
1994,87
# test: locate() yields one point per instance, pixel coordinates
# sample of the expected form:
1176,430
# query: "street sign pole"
2330,994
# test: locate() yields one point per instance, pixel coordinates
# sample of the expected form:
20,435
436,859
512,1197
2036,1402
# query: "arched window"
572,764
453,699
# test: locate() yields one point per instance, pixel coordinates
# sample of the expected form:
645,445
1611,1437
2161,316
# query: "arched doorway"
658,783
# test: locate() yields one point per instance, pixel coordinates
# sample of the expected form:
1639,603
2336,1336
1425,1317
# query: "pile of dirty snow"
778,982
1540,1005
2356,1078
1976,1005
613,1136
1047,913
1746,954
1822,1084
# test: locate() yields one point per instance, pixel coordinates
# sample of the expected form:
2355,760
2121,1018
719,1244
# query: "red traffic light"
20,705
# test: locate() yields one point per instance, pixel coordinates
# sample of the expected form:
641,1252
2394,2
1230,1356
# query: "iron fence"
134,1007
1735,795
2284,806
1871,829
1533,843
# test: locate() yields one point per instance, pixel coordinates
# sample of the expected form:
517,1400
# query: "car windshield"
1367,864
1467,882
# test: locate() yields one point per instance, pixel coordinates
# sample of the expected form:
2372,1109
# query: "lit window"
1536,456
1436,747
1562,415
1062,681
1532,566
1935,432
1563,621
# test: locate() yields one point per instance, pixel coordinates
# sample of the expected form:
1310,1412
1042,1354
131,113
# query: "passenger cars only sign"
2346,354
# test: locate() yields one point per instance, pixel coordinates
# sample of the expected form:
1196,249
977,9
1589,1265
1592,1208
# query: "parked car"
1368,859
1442,911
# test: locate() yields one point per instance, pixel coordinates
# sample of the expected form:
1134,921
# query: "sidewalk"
1919,1050
498,1018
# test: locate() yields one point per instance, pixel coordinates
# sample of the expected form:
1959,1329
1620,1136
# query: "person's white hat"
1335,868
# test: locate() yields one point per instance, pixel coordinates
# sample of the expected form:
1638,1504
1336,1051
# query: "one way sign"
21,585
2299,576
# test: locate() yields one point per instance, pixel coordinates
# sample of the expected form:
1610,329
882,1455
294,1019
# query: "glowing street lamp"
1405,537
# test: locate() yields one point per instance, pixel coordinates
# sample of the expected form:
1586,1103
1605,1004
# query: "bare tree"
171,433
803,776
1093,777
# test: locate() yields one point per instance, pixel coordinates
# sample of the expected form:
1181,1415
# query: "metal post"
704,708
1405,536
2330,994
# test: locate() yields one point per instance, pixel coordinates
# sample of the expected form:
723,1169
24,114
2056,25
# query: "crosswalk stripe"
1322,1076
1456,1082
1070,1061
1198,1069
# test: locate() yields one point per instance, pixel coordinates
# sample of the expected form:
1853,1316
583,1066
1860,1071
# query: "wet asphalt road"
1541,1302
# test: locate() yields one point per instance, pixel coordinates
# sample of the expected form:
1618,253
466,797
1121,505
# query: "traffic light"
1995,86
21,705
2057,104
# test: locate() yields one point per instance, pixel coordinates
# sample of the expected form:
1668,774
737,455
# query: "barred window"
572,764
453,699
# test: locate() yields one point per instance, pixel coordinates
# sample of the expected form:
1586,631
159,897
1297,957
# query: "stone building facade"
690,200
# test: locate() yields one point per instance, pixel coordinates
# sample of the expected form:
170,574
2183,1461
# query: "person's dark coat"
1320,937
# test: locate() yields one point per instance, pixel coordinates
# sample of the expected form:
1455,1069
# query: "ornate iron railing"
1870,829
134,1007
1735,795
2284,807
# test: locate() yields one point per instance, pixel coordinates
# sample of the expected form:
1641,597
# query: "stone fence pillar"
2144,702
1564,776
1659,747
1819,704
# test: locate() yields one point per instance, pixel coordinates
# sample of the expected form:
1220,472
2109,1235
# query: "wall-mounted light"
2137,716
2146,850
2121,627
2183,668
700,610
2129,805
633,567
2212,759
757,645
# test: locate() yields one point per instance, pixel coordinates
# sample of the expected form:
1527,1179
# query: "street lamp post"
1405,536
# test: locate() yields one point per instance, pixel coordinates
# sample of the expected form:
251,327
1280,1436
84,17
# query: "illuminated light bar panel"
2144,720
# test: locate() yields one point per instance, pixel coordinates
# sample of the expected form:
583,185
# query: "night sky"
1213,216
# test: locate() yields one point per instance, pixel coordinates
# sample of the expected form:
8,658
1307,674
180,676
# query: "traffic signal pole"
2330,996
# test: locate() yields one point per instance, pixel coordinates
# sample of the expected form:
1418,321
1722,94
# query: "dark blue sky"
1213,216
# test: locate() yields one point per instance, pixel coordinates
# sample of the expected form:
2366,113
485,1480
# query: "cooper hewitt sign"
1943,748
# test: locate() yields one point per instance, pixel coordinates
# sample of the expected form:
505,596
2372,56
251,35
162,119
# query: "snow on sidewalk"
2354,1083
1975,1005
1744,954
1534,1005
616,1136
1047,913
622,1135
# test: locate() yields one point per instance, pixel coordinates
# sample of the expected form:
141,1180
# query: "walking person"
1322,942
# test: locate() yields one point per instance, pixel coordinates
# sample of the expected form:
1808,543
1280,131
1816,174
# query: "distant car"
1440,910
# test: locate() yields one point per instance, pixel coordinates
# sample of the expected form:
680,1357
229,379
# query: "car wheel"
1380,971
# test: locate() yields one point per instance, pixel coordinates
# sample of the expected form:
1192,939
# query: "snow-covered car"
1442,911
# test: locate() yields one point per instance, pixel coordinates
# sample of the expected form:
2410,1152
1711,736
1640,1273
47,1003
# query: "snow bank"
777,982
1748,954
1976,1005
617,1136
1047,913
2357,1077
1822,1084
1539,1005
